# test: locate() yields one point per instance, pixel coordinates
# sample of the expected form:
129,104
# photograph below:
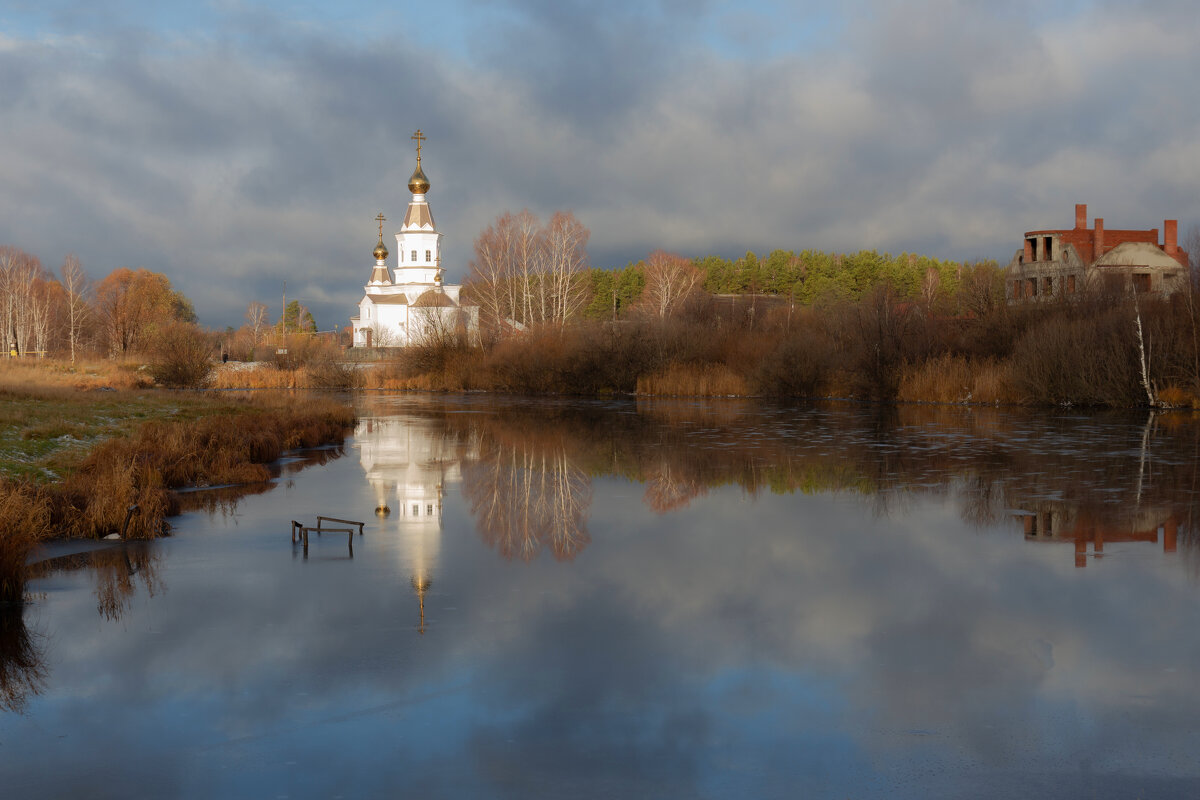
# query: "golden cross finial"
380,220
418,137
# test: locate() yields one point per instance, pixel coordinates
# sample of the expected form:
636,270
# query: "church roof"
418,216
389,299
434,298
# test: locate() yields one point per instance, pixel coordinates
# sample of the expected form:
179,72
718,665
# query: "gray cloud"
259,151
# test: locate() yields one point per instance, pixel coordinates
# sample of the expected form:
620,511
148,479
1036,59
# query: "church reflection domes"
408,465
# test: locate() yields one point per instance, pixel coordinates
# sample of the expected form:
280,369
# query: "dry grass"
316,375
25,510
50,377
132,448
694,380
955,379
1178,397
142,469
261,376
994,383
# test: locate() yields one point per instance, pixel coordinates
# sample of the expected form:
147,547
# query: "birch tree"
21,309
670,281
566,264
75,286
529,273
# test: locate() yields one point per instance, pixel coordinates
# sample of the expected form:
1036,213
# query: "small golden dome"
382,511
381,251
418,183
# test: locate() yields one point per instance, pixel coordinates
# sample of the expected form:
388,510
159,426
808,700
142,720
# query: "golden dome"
381,251
418,183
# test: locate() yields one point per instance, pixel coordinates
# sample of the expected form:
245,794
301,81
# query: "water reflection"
116,571
527,494
410,464
655,599
119,570
22,661
527,472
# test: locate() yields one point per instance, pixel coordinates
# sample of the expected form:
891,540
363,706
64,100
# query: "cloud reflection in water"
808,601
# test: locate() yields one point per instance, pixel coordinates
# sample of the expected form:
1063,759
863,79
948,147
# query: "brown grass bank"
138,462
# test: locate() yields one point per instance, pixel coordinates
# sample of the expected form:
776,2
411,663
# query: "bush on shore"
140,470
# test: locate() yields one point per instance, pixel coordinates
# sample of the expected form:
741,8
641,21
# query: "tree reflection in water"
22,663
529,495
118,571
1077,478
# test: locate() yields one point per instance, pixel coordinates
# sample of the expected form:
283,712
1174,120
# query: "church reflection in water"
526,471
526,493
409,465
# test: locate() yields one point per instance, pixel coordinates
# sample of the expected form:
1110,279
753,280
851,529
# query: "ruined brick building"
1054,263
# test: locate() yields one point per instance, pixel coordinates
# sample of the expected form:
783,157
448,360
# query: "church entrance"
370,337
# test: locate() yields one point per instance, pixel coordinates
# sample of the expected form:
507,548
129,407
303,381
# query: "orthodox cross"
380,220
418,137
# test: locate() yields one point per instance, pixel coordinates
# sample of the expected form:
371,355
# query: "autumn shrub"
799,365
182,357
875,333
1077,359
301,349
332,374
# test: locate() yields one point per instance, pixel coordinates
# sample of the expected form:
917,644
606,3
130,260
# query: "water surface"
670,599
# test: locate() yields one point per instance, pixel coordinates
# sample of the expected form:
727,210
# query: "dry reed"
694,380
25,511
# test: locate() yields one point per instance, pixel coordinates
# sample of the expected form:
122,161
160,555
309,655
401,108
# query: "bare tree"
256,318
670,281
490,280
566,264
528,257
21,310
75,284
528,273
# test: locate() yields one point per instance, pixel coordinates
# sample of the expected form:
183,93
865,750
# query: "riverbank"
1102,349
78,453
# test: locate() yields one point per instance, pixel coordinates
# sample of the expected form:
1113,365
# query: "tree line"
67,314
129,312
525,273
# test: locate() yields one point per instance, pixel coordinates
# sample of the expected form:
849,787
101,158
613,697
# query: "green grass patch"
46,434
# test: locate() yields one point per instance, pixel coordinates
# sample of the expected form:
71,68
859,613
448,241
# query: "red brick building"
1053,263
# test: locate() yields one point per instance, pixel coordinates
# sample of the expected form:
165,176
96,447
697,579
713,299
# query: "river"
559,598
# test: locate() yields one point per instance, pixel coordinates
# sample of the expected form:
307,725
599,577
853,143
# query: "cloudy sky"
235,144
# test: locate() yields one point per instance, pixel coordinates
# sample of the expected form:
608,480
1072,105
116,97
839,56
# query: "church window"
429,255
429,510
416,510
414,258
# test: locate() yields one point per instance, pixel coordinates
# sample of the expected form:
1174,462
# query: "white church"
413,305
